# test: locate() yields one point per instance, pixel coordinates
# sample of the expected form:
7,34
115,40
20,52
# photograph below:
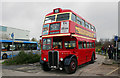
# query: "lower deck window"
80,44
46,47
88,46
57,43
84,45
70,44
46,43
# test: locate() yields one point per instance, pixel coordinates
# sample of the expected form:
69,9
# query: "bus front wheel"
45,67
71,68
4,56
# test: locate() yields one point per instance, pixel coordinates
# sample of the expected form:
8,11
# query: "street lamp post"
116,39
12,35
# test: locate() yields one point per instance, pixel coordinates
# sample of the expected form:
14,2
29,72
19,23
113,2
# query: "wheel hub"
73,65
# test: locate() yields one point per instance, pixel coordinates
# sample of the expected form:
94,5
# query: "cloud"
30,15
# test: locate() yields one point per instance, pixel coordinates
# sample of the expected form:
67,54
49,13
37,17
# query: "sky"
30,15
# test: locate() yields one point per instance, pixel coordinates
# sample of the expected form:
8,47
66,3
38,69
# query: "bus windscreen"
61,17
50,19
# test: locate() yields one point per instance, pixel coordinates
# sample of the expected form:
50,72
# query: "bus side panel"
0,50
72,27
88,54
81,56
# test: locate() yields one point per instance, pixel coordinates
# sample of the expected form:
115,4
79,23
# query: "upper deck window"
73,17
83,22
50,19
61,17
93,28
79,21
87,25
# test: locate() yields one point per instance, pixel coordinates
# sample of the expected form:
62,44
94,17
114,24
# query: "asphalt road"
96,69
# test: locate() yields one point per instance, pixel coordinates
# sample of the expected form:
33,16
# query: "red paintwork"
66,10
83,55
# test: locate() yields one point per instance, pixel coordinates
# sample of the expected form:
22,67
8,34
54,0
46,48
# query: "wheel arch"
68,59
6,56
93,54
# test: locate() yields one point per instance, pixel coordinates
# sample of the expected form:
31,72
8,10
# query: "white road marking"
112,71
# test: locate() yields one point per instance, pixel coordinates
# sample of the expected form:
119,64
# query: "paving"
95,69
1,68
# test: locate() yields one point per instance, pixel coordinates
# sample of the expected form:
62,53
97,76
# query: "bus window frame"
64,19
82,44
47,44
57,41
50,16
88,45
55,30
84,47
22,47
8,43
75,17
68,45
56,17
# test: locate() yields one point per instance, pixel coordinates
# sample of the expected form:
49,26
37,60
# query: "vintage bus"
18,45
68,41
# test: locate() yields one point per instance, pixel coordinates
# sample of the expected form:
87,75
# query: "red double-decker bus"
68,41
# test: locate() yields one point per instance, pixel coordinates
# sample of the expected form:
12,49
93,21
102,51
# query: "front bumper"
61,64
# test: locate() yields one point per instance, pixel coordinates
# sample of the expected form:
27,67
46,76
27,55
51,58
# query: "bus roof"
67,10
18,41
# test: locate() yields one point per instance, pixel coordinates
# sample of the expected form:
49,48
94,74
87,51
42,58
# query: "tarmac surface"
95,69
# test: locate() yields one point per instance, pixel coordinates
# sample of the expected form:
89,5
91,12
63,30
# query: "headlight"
64,27
61,59
44,59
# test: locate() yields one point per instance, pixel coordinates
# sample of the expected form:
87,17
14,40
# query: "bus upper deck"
65,23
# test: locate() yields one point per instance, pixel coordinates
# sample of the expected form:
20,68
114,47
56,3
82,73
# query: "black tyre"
92,58
72,67
45,67
4,56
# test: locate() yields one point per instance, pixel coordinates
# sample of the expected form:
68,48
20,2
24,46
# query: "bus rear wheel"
71,68
45,67
4,56
93,58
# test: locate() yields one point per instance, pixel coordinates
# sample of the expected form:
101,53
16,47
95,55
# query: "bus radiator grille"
53,59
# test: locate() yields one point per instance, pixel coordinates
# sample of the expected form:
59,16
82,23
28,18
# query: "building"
19,34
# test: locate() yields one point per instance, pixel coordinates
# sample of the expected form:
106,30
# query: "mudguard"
68,59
